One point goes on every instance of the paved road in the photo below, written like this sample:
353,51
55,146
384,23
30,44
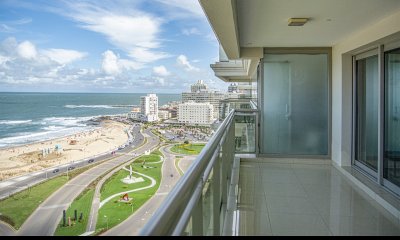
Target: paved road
132,225
20,183
44,221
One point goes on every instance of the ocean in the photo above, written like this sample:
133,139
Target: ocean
32,117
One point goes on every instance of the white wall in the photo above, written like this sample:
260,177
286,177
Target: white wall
383,31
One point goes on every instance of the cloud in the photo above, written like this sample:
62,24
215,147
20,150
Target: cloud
161,71
6,29
184,8
145,55
7,26
184,62
23,64
191,31
64,56
124,26
27,50
113,65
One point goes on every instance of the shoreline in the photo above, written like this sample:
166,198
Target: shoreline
99,119
22,159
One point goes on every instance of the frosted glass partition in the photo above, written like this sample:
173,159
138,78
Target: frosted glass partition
295,104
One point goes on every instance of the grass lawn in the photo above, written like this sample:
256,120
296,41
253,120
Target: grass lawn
114,184
188,149
17,208
31,198
83,205
116,211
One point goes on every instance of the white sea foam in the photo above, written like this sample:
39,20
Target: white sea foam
29,137
65,121
99,106
14,122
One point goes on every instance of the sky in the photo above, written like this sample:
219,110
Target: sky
119,46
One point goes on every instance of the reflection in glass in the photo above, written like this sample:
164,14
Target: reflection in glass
245,133
391,163
367,83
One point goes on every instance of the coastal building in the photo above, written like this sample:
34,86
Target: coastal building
233,87
201,94
193,113
163,114
149,107
199,86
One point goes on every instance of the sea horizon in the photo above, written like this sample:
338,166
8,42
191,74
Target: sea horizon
28,117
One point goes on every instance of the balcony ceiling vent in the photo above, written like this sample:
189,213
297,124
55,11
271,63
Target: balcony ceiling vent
297,21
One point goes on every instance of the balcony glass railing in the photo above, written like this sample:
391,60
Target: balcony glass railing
197,204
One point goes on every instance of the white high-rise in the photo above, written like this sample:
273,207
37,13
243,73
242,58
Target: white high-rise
149,107
195,113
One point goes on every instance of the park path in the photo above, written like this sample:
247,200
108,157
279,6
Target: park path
96,204
132,225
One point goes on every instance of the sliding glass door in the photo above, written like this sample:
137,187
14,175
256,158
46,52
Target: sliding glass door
295,104
366,104
391,160
376,118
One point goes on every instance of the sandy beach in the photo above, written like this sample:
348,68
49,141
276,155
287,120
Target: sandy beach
20,160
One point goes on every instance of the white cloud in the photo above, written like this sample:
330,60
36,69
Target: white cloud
113,65
191,31
129,29
64,56
110,63
184,8
184,62
161,71
145,55
27,50
6,29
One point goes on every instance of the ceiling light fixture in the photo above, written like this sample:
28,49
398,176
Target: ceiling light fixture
297,21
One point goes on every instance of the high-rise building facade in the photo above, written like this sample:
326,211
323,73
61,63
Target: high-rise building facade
149,107
195,113
199,86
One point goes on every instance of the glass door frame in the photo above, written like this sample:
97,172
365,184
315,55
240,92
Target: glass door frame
386,48
260,86
378,176
369,53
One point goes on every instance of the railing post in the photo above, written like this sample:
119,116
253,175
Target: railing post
217,198
197,216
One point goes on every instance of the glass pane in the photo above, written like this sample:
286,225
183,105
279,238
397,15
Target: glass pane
295,104
367,92
245,133
189,229
208,207
391,163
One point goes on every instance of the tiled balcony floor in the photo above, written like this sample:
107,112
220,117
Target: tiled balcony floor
306,199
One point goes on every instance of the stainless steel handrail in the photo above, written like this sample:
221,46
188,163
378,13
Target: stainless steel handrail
167,216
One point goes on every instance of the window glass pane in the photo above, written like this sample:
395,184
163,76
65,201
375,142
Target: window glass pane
367,100
391,163
295,104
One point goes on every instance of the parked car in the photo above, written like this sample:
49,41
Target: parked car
71,167
56,170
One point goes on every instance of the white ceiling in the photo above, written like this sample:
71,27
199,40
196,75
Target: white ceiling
264,23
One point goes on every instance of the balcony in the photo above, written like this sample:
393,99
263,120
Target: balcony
230,191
